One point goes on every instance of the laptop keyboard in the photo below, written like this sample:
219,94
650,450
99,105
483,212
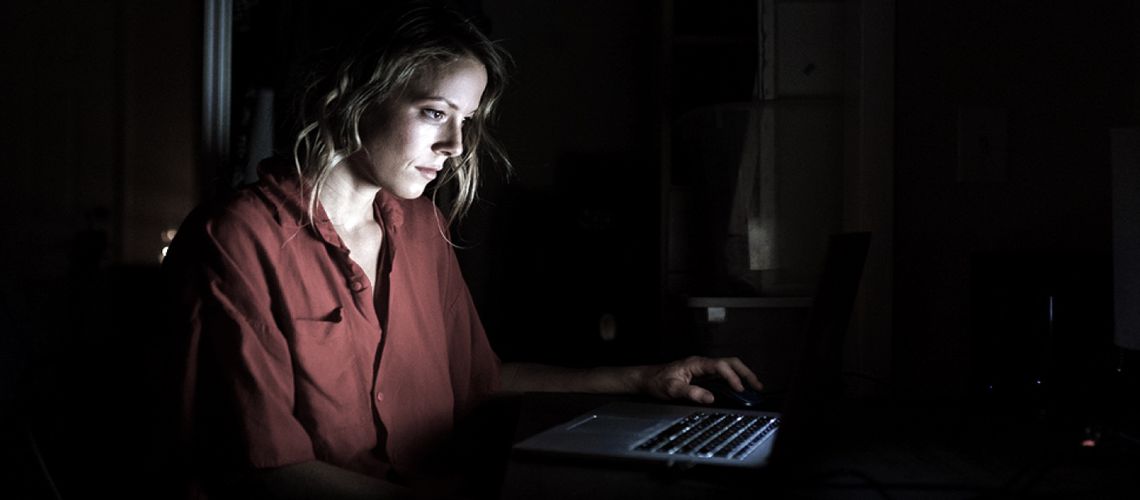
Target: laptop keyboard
712,434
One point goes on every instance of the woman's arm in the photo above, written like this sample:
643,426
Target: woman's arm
667,381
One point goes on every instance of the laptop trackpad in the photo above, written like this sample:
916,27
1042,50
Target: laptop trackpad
615,425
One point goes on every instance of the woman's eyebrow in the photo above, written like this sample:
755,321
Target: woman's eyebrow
445,100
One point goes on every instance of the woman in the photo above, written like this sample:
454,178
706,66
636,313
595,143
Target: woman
331,342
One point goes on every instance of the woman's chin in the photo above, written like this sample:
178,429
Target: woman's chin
408,192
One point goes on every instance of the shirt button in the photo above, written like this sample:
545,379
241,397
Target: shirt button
357,285
380,396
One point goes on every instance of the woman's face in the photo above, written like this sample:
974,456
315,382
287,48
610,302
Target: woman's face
407,140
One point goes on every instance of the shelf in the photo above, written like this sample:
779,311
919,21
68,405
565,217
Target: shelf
749,302
714,40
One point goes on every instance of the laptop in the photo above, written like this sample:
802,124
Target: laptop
697,435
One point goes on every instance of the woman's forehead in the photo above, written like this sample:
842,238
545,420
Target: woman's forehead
460,83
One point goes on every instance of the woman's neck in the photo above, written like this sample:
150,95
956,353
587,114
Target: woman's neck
347,199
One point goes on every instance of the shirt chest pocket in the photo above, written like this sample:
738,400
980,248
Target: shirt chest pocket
320,328
332,373
325,354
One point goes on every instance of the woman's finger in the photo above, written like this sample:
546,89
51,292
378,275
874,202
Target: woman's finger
745,373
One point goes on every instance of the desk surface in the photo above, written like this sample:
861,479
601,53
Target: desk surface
877,452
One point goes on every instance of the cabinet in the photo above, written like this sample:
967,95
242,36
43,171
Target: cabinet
753,133
752,144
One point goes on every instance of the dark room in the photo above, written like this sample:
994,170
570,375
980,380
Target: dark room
545,249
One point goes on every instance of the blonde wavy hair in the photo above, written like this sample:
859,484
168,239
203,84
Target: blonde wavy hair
377,70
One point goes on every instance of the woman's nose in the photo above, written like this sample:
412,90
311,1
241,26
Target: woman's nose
450,142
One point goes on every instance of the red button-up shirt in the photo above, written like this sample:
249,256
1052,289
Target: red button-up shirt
292,356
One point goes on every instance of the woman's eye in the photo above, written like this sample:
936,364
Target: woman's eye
434,114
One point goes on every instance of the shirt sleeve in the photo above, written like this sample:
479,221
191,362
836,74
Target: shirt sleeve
239,380
474,365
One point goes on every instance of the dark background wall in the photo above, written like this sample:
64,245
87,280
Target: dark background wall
580,214
100,135
1063,75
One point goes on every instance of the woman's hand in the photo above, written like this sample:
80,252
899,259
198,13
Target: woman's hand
675,380
668,381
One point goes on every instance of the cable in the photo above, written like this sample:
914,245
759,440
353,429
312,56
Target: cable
869,378
873,483
760,72
43,465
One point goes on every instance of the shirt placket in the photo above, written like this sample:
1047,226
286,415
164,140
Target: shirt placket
358,285
380,298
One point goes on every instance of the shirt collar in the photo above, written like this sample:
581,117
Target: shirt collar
289,198
391,210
